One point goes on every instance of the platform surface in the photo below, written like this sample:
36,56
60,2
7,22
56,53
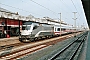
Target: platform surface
88,47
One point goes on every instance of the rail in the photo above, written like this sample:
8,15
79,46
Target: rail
76,44
71,50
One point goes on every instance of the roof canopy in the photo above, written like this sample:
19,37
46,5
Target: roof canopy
86,6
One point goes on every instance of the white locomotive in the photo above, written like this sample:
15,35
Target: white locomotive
32,31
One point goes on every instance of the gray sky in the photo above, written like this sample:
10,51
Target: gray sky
50,8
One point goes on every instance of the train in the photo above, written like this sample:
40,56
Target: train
32,31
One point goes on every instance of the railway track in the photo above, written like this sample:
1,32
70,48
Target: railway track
25,50
71,51
19,54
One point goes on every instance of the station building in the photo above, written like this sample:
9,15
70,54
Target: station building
8,26
11,23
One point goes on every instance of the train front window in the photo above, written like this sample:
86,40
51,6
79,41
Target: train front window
26,27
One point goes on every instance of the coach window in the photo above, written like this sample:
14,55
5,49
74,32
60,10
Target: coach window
35,27
58,29
63,29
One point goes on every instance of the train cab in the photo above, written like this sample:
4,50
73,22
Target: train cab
33,30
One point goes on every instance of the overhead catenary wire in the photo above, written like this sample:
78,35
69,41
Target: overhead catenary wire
57,5
29,11
69,9
44,7
19,9
39,5
67,13
79,6
60,8
76,9
79,16
63,2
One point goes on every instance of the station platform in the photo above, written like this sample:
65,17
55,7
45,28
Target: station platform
5,39
88,47
8,41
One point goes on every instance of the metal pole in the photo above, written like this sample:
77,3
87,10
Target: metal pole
19,24
75,21
75,18
60,24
